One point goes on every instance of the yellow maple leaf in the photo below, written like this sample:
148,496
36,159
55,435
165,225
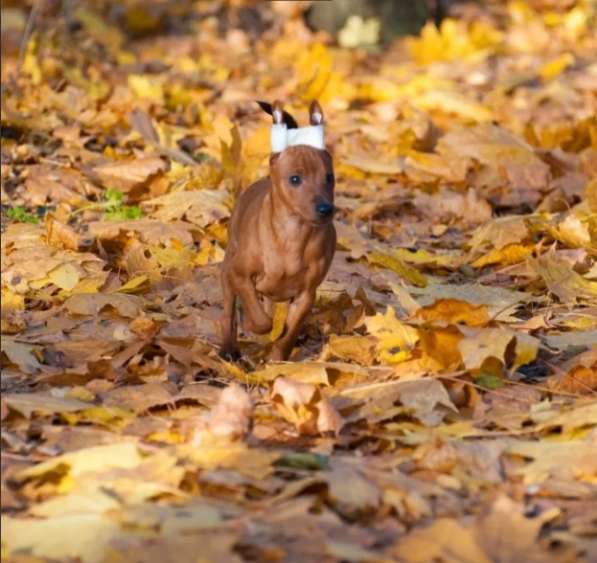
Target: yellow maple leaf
509,254
396,340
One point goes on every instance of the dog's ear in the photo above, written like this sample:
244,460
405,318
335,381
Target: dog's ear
315,113
286,117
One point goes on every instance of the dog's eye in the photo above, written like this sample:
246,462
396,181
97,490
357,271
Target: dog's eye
329,178
295,180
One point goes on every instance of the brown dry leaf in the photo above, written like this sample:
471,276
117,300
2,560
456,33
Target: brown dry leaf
125,175
427,399
20,354
61,235
46,183
371,164
447,205
507,346
569,460
93,303
444,540
230,418
54,537
199,207
42,403
580,375
303,372
562,280
498,149
139,398
359,349
351,492
500,232
506,534
119,455
148,230
419,164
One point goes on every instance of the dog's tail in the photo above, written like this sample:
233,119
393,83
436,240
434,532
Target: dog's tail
286,117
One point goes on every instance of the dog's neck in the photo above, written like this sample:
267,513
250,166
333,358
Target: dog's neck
290,230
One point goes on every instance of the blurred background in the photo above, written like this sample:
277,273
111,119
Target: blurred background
392,76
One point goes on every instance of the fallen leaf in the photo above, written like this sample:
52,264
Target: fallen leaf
54,537
452,311
506,533
42,403
497,148
562,280
199,207
425,398
303,372
20,354
92,304
351,493
578,376
573,459
444,540
507,346
74,465
395,339
230,418
509,254
302,405
125,175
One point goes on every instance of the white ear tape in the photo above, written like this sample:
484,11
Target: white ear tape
282,137
279,137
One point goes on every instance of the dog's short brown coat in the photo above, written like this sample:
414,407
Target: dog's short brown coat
280,246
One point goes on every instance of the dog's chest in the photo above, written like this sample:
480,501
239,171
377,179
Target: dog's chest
284,276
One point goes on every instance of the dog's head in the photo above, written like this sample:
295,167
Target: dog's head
301,168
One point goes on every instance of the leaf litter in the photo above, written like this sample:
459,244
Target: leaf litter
441,402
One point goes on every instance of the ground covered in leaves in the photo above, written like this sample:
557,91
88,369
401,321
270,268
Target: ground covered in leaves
440,405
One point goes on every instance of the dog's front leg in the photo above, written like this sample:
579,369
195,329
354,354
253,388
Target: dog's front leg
297,311
255,318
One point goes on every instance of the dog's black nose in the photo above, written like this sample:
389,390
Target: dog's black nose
324,209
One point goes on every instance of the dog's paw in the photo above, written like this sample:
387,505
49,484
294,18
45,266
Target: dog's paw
230,354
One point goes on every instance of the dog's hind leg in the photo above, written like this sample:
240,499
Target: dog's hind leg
228,322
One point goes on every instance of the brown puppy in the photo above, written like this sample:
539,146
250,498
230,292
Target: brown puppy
281,236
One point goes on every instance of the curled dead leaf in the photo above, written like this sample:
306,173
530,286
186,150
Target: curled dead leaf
302,405
231,416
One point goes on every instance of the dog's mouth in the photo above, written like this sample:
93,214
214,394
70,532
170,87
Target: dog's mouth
323,220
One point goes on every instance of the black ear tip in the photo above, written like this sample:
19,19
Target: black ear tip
286,117
267,108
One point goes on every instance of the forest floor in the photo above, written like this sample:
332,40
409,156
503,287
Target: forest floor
441,403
